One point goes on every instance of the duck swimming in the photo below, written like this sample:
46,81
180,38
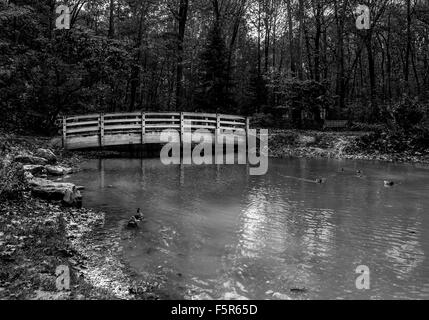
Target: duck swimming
139,215
135,219
320,180
133,222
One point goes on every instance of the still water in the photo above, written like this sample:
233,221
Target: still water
214,231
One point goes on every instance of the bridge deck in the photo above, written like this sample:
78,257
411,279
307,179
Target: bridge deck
113,129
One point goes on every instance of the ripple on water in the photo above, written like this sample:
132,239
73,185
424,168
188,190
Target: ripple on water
232,235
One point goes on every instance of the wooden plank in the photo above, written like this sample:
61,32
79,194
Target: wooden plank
122,120
193,114
225,116
89,116
149,114
83,142
233,123
162,120
335,123
233,129
122,127
160,126
83,130
155,137
83,123
201,120
122,139
116,115
201,126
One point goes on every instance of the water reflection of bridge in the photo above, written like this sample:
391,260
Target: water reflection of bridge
115,129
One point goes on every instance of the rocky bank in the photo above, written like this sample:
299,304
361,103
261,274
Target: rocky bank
38,234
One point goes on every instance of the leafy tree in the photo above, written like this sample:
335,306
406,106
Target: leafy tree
213,92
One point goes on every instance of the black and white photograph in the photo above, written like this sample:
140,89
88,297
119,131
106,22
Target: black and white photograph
184,151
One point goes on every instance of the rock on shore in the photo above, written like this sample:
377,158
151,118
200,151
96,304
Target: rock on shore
48,190
30,159
34,169
58,170
46,154
35,166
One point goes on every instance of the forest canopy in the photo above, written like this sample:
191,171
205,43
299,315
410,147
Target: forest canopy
250,57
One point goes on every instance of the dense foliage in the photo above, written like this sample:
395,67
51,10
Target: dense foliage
283,61
407,130
12,182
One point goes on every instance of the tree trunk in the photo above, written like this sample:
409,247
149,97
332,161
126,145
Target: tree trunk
259,39
267,40
389,60
135,70
300,39
111,19
290,36
274,44
317,43
408,49
372,77
340,83
51,17
182,17
235,29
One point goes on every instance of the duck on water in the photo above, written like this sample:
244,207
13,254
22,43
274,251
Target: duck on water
135,219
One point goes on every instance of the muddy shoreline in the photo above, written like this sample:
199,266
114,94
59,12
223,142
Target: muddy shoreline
335,145
37,236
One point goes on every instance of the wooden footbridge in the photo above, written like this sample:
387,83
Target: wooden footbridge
115,129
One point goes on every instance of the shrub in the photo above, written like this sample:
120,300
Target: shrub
12,182
407,129
288,138
408,114
367,127
309,96
262,120
394,141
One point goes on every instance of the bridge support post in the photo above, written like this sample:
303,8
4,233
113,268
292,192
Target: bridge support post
217,131
64,132
143,126
101,124
182,127
247,133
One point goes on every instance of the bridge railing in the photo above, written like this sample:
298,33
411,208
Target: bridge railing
112,128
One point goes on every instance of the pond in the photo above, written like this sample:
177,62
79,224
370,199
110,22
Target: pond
215,231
